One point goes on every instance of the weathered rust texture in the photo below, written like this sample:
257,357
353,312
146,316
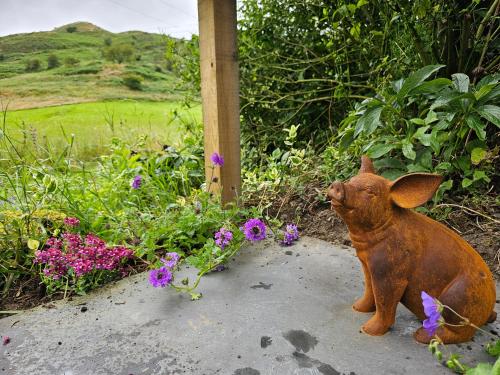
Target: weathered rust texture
404,253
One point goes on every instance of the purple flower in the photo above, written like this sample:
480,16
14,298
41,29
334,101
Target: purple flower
217,159
291,234
5,340
219,268
71,221
160,277
223,237
254,229
170,260
136,182
432,309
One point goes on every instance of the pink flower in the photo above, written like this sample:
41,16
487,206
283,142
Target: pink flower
83,257
5,340
71,221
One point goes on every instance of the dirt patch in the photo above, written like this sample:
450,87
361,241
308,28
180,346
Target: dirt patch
30,292
476,222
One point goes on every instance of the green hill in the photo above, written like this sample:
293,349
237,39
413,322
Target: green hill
84,70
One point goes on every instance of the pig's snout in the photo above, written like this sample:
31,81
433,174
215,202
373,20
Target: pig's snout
336,192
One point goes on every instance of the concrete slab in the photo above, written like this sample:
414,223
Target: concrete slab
274,311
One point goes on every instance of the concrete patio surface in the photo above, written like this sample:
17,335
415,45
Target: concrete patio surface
275,310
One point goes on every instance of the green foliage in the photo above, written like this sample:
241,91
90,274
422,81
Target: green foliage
71,29
101,196
118,53
108,41
133,81
33,65
420,125
52,62
310,67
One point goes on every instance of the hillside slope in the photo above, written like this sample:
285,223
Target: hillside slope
82,73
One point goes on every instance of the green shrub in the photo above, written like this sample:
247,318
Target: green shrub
133,81
33,65
416,125
71,29
108,41
53,62
118,53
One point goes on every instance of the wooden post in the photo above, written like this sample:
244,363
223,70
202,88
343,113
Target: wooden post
220,94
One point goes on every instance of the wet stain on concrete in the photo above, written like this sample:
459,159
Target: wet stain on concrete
265,341
302,340
246,371
304,361
262,285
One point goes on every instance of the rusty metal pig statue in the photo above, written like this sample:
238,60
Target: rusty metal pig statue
404,253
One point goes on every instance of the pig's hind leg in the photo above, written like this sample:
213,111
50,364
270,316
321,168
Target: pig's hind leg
462,298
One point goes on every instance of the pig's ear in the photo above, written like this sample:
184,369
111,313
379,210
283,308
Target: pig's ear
366,165
414,189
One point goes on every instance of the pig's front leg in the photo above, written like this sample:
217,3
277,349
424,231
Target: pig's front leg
367,302
387,290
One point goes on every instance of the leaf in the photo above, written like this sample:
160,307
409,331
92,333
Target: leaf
491,113
466,182
480,175
445,186
380,150
481,369
493,349
33,244
477,155
431,87
388,163
443,166
421,136
415,79
195,296
461,82
474,122
369,121
408,150
346,140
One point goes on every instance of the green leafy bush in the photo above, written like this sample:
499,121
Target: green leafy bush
118,53
71,29
33,65
52,62
133,81
420,125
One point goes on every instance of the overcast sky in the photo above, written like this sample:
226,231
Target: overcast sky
174,17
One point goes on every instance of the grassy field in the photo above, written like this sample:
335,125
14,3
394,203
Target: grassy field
94,124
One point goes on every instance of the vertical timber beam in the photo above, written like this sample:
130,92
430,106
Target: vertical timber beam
220,94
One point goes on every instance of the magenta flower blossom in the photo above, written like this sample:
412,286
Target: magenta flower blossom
432,309
217,159
223,237
170,260
291,234
5,340
254,229
160,277
82,256
71,221
136,182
